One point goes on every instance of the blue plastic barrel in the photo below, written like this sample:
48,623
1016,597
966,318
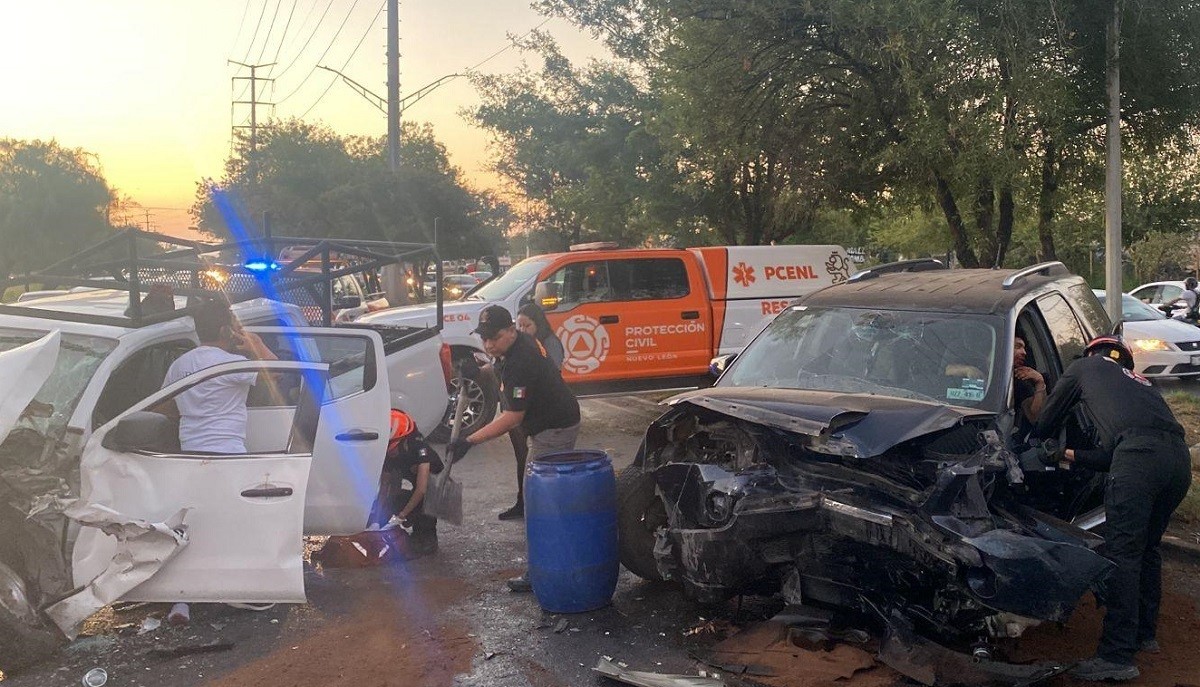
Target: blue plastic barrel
571,524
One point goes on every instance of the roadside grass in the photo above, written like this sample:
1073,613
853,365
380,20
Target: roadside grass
1187,411
10,294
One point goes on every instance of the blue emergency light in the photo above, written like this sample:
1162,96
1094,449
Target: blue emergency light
261,265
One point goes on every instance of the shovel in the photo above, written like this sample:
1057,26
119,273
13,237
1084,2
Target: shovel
443,497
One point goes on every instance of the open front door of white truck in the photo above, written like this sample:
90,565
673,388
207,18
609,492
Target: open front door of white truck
355,421
242,515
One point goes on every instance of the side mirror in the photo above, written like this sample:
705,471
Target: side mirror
546,295
717,367
347,302
143,431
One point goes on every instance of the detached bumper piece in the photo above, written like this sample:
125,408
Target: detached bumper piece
930,663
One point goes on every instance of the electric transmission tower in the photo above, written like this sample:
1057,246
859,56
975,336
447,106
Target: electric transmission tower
254,102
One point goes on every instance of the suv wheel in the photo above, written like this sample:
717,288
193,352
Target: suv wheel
640,512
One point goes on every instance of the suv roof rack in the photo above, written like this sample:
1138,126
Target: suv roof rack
916,265
1046,269
134,261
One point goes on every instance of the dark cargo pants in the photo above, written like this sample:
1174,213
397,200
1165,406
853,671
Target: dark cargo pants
1150,475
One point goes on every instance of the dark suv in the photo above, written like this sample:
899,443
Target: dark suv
862,454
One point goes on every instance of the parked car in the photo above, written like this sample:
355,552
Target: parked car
455,286
861,454
1158,293
1162,347
636,314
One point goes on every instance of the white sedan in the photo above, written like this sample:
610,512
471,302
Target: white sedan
1162,347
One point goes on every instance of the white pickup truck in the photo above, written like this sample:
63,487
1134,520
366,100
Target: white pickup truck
88,479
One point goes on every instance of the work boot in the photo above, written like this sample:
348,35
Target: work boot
520,584
1097,669
1150,646
517,512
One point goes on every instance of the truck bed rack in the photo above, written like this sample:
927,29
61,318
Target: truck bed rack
134,261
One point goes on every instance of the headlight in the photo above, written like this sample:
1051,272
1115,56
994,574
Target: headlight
1150,345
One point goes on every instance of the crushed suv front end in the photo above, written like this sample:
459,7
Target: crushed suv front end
908,512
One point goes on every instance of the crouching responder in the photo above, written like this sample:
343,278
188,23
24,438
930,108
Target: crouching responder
1142,448
535,397
409,459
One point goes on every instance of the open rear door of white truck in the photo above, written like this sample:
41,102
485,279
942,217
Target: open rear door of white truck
240,517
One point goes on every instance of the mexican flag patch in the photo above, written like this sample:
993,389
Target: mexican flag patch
518,392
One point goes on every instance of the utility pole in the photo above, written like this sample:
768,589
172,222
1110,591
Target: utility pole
1114,283
393,85
253,102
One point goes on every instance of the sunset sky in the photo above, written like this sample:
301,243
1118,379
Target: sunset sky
145,84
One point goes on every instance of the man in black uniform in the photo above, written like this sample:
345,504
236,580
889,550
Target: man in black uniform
1142,448
535,397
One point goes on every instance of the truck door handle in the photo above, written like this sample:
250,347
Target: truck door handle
267,492
691,314
609,319
357,435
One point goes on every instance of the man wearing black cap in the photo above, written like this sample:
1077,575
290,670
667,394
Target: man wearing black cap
535,397
1142,448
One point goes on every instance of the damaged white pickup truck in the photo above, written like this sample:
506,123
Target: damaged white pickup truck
98,503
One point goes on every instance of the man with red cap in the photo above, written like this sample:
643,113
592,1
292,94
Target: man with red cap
1141,446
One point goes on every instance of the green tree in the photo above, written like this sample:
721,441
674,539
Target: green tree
316,183
52,201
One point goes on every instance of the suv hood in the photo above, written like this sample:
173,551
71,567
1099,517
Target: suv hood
23,371
865,425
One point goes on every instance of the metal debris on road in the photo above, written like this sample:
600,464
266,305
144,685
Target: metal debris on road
189,650
611,670
150,624
96,677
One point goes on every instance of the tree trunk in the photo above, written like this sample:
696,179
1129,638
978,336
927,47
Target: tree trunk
1046,199
985,215
1004,226
958,230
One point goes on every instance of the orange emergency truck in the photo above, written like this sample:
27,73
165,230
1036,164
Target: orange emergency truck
626,314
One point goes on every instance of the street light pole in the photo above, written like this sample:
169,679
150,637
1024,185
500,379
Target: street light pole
393,57
1112,172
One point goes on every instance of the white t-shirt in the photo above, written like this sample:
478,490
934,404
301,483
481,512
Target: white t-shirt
1188,297
212,414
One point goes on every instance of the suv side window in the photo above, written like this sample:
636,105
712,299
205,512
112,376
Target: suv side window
1068,335
582,282
139,376
1090,310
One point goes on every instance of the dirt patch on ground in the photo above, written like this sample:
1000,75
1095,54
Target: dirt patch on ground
1186,408
1178,627
406,638
771,656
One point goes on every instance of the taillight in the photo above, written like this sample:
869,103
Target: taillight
447,364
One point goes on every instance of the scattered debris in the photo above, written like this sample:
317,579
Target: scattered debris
96,677
489,655
189,650
181,614
779,655
560,626
606,667
150,624
720,628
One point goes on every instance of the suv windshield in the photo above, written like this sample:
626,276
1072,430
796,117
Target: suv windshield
48,413
938,357
503,286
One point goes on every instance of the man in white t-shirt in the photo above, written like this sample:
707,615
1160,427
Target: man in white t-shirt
212,414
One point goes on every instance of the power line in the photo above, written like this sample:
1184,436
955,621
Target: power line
350,57
309,39
270,30
286,26
510,46
322,57
241,25
254,38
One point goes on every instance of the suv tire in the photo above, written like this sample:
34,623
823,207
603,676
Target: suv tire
640,512
25,640
484,395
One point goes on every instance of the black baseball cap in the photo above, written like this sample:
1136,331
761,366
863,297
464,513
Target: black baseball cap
493,320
